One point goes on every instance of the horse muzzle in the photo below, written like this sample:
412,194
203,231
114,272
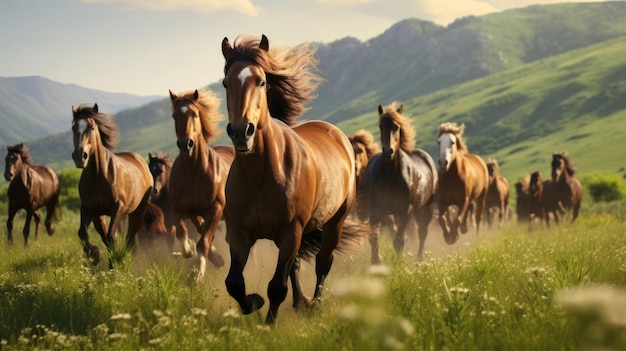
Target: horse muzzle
8,176
242,135
80,158
185,147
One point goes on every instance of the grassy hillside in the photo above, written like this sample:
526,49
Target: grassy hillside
574,102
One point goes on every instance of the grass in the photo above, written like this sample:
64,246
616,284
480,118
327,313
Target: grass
506,289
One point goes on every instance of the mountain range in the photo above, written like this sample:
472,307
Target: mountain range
525,82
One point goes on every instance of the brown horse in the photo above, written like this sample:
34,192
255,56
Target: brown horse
568,189
401,181
498,193
364,149
292,184
31,188
111,184
463,179
543,203
522,200
198,175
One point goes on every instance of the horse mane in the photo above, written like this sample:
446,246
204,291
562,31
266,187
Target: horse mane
407,132
291,75
457,130
207,105
569,165
536,184
161,157
21,150
109,132
367,139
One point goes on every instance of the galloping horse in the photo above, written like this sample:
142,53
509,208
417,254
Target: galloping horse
292,184
463,179
111,184
31,188
498,193
522,200
364,149
568,189
198,175
544,200
401,181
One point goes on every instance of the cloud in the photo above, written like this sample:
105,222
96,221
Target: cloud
202,6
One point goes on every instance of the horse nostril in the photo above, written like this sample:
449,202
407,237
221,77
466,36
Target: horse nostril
189,144
229,131
249,130
84,155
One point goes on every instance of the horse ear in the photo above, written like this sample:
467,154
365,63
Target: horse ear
172,96
150,155
227,49
74,109
95,108
20,146
400,109
195,95
380,109
265,43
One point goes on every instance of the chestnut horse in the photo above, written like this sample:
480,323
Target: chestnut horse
522,200
292,184
463,181
401,181
498,193
31,188
198,175
111,184
364,149
543,200
568,189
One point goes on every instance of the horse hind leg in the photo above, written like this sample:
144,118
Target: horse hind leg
399,238
26,230
12,212
423,217
376,257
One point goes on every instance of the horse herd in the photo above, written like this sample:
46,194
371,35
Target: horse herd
304,185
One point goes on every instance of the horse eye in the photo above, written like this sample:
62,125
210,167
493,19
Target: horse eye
262,83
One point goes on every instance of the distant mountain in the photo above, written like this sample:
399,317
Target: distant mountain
35,107
416,59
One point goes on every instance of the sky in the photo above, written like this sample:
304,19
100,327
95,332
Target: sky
147,47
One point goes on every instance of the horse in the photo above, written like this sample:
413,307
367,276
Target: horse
364,148
32,187
522,200
292,183
198,174
568,189
463,179
498,193
111,184
401,181
543,200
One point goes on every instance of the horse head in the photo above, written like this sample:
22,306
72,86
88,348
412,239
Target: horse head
91,129
246,91
13,161
390,132
450,142
186,122
159,166
536,185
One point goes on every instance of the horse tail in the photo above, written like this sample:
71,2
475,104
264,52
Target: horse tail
353,234
53,206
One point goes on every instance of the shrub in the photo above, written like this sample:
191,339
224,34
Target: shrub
68,180
605,188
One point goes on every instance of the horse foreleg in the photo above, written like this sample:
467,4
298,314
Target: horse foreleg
37,217
423,216
235,283
12,212
26,230
188,245
462,217
376,258
92,251
287,251
205,246
399,238
135,221
445,227
299,299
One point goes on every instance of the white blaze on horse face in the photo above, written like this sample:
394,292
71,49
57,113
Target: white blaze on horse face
82,126
244,74
447,145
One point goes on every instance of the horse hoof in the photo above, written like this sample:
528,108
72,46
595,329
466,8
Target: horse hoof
216,259
255,302
378,259
50,229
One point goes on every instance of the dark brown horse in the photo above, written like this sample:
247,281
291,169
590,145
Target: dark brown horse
31,188
498,193
401,181
568,189
292,184
364,149
544,203
522,200
463,181
198,175
111,184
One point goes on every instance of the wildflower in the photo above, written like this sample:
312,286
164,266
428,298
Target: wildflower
117,336
232,313
120,316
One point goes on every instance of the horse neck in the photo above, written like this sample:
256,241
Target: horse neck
24,172
269,150
199,156
100,159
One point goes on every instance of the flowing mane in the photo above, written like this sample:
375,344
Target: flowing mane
291,75
407,132
569,165
207,105
367,139
457,130
109,132
21,150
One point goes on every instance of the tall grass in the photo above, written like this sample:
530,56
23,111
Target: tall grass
508,289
